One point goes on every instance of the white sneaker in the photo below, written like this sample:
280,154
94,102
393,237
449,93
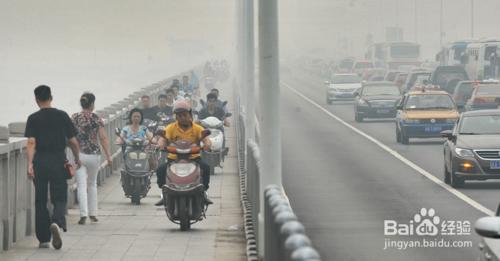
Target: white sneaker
44,245
56,236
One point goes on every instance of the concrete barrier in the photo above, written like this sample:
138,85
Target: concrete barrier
16,129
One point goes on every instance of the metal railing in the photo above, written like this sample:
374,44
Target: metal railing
17,196
284,236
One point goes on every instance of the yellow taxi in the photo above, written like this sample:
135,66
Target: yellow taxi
424,112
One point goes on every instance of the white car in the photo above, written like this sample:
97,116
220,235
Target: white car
342,87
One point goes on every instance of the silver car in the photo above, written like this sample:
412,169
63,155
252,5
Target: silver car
342,87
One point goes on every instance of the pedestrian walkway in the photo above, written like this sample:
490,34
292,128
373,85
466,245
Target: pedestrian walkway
143,232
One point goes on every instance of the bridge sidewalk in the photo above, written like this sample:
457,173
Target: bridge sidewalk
130,232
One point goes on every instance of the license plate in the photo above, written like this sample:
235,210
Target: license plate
495,164
433,129
383,111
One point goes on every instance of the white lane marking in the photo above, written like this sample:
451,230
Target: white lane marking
414,166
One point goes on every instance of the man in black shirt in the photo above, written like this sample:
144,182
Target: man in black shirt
163,108
49,130
213,110
148,112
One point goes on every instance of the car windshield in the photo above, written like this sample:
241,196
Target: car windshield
348,78
429,102
493,90
410,51
346,64
363,65
380,90
444,77
402,77
484,124
419,79
391,76
464,88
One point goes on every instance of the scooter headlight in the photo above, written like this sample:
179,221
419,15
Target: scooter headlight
182,169
142,155
132,155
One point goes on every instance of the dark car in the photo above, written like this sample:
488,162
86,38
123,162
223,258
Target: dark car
418,76
376,100
400,79
472,148
390,76
447,77
462,93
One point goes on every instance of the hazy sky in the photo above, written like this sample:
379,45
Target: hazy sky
114,47
322,23
110,47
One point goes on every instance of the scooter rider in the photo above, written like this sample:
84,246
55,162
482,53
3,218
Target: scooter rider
147,111
218,102
213,110
183,129
163,107
186,86
134,129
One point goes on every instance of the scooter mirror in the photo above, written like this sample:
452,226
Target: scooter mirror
205,133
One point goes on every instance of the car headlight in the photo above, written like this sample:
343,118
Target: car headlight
464,152
412,121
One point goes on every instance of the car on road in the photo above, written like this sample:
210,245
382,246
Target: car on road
447,77
423,113
376,100
342,87
400,79
484,96
391,75
416,77
359,67
462,93
472,148
375,74
345,65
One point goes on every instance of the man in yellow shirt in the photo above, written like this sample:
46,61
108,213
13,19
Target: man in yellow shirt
183,129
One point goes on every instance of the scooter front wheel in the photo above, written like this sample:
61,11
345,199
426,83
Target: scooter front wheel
184,214
135,199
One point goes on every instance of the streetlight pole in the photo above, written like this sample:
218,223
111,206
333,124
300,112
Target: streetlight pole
415,14
441,24
269,119
249,70
472,18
